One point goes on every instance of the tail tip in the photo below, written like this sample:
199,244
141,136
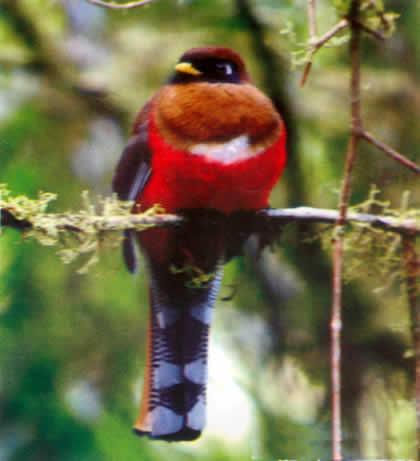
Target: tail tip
186,434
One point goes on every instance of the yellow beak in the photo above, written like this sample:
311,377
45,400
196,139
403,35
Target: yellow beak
187,68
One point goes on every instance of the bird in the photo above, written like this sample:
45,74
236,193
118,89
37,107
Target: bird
209,146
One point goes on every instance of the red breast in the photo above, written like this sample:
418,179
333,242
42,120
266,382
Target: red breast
184,180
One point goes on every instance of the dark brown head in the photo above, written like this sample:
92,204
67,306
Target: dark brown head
210,64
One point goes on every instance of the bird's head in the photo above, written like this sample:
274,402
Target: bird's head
211,65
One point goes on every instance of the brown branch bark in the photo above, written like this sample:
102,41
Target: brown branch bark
389,151
372,32
329,35
312,19
312,32
338,240
411,260
317,45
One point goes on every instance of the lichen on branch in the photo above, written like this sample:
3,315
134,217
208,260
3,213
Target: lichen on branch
84,233
99,225
372,251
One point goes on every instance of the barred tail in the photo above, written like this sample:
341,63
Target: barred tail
173,406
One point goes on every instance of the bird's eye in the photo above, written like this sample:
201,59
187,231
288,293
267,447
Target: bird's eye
225,67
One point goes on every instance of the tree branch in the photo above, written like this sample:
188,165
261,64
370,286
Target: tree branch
389,151
76,222
319,215
312,20
338,240
316,45
52,222
411,260
370,31
120,6
7,219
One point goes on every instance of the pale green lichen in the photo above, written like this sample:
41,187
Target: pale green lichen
197,278
370,251
21,206
82,234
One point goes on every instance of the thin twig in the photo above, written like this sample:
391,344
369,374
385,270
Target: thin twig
306,73
370,31
120,6
329,35
317,45
389,151
312,19
411,260
338,240
312,31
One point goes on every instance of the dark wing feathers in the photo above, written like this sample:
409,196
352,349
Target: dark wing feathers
133,169
132,173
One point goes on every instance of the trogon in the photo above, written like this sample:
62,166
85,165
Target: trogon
209,146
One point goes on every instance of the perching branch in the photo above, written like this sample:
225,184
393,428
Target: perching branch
82,222
319,215
76,222
120,6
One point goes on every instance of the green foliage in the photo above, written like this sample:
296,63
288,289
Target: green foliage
374,16
342,6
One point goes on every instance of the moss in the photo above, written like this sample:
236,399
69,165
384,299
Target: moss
81,235
370,251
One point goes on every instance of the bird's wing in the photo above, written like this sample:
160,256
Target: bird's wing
131,176
133,169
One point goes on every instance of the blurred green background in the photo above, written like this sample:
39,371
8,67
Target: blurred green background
72,76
